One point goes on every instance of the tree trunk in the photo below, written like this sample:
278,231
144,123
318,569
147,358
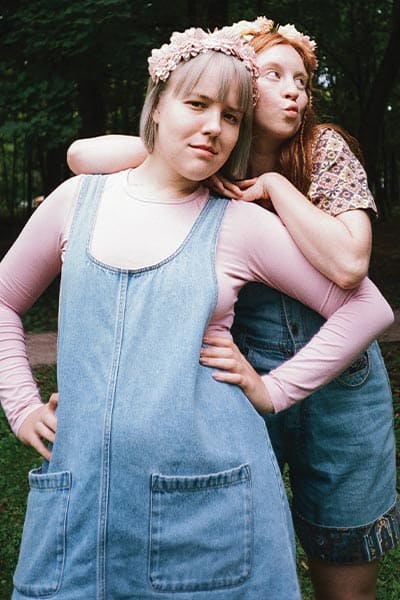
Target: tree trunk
55,168
370,134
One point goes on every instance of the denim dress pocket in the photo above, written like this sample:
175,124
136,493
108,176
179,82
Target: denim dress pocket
201,531
42,555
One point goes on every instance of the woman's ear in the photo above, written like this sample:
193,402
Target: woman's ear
156,115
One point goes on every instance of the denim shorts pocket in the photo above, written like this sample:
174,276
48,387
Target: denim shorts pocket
201,531
42,555
357,373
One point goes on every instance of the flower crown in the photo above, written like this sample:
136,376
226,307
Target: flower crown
248,29
195,41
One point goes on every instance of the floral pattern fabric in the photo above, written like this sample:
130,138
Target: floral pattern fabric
339,181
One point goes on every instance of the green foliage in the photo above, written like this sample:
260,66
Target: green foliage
78,68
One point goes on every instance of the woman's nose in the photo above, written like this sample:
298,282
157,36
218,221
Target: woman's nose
212,122
290,90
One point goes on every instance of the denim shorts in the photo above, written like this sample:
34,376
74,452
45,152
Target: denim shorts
338,444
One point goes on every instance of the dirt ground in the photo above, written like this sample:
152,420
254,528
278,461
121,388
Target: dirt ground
42,348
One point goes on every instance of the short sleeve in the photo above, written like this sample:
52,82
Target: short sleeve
339,181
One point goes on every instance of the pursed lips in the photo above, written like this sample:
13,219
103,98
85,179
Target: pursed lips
292,108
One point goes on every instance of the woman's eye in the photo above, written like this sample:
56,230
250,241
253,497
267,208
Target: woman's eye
272,74
301,83
232,118
196,104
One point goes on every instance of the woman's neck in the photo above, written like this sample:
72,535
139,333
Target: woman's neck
156,181
262,162
263,155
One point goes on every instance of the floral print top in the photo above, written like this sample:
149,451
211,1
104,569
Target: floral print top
338,182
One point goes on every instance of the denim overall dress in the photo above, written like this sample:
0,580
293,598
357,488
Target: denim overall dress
339,442
162,481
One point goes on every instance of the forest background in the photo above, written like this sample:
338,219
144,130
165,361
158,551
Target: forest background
72,69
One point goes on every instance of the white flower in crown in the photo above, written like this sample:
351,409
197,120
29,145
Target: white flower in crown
290,32
248,29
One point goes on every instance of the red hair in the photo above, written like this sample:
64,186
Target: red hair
295,157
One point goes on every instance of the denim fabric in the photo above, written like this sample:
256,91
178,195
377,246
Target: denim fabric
339,443
162,481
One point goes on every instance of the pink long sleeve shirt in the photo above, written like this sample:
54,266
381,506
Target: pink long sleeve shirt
132,231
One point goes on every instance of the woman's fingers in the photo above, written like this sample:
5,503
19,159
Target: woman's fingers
38,445
44,431
30,433
228,377
222,353
53,401
244,184
219,184
49,413
218,341
40,427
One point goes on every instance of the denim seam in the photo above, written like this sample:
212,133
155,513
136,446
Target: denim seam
105,472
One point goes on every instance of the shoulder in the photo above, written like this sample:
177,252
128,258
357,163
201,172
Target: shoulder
238,209
252,225
338,181
332,152
328,142
66,190
62,197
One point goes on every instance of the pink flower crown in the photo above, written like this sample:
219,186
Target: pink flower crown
248,29
195,41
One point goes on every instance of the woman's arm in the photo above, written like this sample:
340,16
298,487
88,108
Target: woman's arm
331,225
349,330
105,154
28,268
339,247
264,251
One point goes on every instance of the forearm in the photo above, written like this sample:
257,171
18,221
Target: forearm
349,330
329,352
339,247
105,154
18,391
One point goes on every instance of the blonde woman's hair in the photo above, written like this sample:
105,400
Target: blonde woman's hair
230,72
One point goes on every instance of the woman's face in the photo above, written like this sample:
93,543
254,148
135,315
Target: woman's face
196,132
282,93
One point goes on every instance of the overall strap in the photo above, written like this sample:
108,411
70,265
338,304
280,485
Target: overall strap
83,221
209,222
